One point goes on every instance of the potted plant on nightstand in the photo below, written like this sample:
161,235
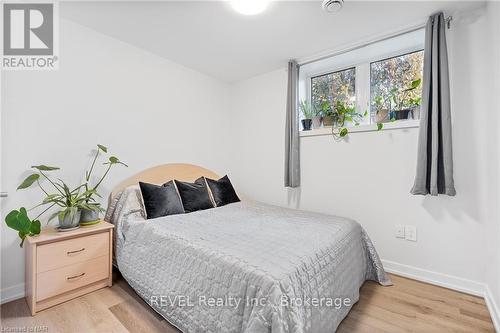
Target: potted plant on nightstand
69,202
90,215
307,113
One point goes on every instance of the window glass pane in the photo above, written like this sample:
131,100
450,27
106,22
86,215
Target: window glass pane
396,88
334,87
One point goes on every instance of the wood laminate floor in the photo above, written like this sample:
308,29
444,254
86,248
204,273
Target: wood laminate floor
408,306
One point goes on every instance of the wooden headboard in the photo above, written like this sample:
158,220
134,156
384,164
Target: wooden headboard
163,173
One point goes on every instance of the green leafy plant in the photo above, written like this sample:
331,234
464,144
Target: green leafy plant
342,113
348,113
326,109
92,190
19,221
68,201
403,98
397,100
413,102
306,109
380,104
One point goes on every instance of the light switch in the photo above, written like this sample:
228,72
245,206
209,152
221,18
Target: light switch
400,231
411,233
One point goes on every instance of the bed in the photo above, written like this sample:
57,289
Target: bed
244,267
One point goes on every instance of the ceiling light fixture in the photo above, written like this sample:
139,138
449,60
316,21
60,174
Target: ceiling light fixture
249,7
333,6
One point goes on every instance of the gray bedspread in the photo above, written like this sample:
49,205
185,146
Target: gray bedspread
245,267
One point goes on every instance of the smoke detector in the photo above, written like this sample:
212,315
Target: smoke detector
333,6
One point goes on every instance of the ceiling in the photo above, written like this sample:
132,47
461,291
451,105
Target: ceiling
210,37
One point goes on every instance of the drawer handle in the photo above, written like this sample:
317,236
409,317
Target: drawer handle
76,251
75,277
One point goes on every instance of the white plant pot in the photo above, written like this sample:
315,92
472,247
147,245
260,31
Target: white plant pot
316,122
71,219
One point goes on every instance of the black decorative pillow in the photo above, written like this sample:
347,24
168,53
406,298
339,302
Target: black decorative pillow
222,191
194,196
160,200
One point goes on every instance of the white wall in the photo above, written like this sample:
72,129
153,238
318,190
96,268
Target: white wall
493,154
146,109
150,111
369,176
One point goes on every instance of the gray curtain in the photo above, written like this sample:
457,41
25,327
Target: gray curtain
292,160
435,161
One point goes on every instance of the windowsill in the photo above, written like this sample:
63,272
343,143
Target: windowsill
364,128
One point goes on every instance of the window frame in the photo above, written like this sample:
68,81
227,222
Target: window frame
310,78
370,78
362,90
332,72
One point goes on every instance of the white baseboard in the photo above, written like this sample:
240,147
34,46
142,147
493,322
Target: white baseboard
12,293
438,279
493,308
448,281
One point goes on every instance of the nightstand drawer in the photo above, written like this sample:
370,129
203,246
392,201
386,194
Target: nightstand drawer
64,279
71,251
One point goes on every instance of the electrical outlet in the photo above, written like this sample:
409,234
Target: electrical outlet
411,233
400,231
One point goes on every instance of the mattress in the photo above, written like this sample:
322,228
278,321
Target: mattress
245,267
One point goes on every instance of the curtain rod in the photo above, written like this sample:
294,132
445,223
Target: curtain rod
373,41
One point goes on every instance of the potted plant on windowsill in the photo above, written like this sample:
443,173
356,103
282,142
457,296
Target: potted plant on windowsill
415,107
344,113
317,117
381,110
403,101
327,113
307,113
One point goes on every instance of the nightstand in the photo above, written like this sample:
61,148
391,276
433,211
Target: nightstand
63,265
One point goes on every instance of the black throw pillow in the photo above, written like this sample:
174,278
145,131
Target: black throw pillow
160,200
194,196
222,191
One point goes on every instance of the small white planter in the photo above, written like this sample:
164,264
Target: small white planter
316,122
71,219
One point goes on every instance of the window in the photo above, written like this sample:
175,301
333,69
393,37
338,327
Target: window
334,87
378,83
395,88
